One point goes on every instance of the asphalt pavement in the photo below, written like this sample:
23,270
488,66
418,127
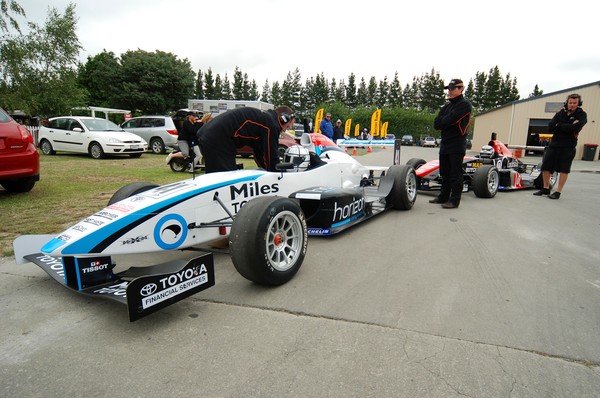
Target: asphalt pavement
498,298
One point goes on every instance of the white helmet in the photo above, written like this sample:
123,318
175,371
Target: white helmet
487,151
298,156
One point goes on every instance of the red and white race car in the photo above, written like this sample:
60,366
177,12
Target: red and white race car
494,169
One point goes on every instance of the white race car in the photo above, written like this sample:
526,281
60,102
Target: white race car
265,216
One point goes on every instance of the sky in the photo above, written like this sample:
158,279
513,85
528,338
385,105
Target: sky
553,44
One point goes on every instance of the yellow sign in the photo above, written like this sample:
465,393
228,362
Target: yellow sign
384,128
318,120
357,130
347,127
375,123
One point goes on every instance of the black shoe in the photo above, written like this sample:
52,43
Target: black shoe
449,205
554,195
435,200
543,191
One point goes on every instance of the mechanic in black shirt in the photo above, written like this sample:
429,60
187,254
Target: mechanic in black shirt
566,125
452,120
244,126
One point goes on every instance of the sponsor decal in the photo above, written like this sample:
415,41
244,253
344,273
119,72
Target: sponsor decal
173,285
52,265
107,215
64,237
348,211
319,231
131,241
119,290
95,266
93,222
170,231
125,208
240,194
79,228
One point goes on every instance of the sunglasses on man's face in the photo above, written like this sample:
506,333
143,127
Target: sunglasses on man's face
454,87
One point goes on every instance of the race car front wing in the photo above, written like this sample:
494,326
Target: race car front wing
143,289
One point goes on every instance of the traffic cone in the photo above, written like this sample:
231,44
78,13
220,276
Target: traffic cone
346,149
369,150
354,151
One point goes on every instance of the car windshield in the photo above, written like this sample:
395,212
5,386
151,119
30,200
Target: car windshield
100,125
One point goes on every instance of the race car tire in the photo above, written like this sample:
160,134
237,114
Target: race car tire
486,181
268,240
129,190
416,163
404,191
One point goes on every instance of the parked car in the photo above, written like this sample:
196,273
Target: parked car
159,131
19,158
285,140
181,114
94,136
407,140
428,141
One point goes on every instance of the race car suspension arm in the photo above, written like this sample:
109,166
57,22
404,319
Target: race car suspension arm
217,223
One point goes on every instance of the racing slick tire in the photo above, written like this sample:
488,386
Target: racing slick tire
129,190
486,181
404,191
416,163
268,240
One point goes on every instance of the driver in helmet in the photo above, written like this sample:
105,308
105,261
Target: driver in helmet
487,151
301,158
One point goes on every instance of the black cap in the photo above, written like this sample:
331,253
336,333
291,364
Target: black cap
453,83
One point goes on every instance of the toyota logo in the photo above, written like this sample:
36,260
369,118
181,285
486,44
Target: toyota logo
148,289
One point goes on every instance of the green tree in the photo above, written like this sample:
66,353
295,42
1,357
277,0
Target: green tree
199,86
225,88
38,75
536,92
209,85
237,89
154,82
395,92
351,100
266,92
6,8
362,95
431,92
100,75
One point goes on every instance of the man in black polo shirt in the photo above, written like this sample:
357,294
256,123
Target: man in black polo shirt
452,120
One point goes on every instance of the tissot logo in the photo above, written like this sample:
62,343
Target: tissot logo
149,289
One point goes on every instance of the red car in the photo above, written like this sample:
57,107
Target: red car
19,158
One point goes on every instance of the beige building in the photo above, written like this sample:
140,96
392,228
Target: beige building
525,122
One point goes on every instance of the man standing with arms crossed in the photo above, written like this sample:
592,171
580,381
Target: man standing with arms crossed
566,125
452,120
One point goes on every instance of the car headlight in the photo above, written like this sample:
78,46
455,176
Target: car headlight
114,141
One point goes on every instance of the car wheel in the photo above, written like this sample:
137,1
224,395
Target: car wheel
18,186
95,150
129,190
178,164
486,181
46,148
416,163
157,146
404,188
268,240
539,181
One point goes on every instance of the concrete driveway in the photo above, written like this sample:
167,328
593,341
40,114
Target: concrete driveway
498,298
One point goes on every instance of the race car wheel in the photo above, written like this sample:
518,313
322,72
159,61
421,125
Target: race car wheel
129,190
416,163
178,164
268,240
404,190
485,181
